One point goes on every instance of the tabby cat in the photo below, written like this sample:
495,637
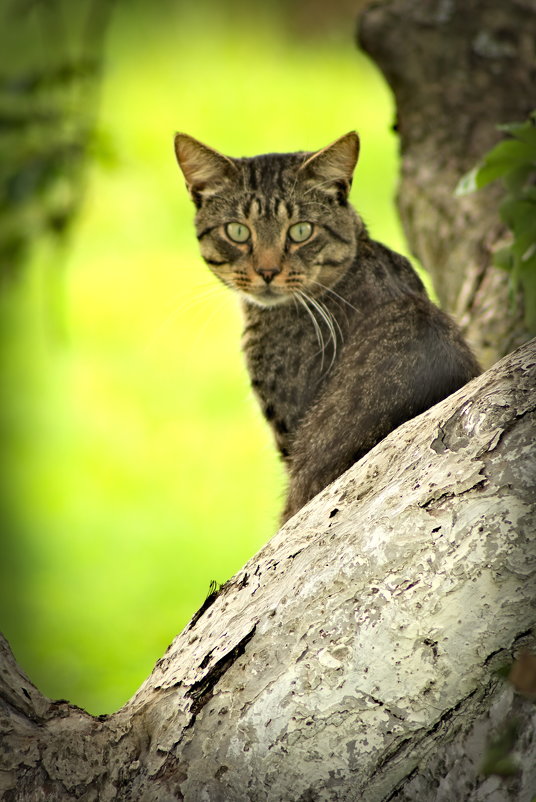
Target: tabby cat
341,342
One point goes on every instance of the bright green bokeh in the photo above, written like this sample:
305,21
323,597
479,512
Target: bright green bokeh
140,467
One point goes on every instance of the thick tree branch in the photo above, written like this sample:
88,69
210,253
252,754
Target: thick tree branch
355,656
478,61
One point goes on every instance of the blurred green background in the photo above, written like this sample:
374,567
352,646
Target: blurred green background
137,464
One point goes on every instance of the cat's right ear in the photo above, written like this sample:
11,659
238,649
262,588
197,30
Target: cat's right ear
333,166
204,169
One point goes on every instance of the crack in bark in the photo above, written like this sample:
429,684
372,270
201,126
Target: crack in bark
203,690
400,785
415,744
519,639
385,707
295,554
438,498
433,646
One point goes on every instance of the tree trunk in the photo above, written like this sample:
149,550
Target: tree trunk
457,68
355,657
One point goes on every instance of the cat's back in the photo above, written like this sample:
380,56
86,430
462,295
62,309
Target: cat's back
399,333
400,356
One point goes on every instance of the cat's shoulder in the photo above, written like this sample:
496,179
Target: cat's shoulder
398,266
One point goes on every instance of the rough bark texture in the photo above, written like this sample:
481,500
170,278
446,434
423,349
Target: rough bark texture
355,657
457,68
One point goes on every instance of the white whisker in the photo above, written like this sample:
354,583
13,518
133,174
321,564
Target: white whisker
302,298
336,294
330,322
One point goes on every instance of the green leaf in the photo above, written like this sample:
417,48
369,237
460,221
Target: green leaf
529,193
525,131
514,161
519,214
524,245
516,179
504,158
503,258
467,183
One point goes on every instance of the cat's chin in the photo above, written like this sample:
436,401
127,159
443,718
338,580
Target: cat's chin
267,298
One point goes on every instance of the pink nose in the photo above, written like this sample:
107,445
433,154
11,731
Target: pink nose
268,273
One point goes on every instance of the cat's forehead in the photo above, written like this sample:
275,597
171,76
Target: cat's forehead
270,171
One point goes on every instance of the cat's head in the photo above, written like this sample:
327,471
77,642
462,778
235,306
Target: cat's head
276,225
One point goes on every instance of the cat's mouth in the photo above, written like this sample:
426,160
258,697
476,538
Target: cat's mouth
268,296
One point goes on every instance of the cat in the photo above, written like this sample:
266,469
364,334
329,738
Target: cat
341,341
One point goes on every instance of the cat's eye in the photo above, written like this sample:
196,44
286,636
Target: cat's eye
299,232
238,232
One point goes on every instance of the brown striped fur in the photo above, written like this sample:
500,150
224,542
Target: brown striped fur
341,342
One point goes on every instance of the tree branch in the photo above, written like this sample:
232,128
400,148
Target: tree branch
479,63
354,655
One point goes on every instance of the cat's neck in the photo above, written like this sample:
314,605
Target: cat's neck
292,350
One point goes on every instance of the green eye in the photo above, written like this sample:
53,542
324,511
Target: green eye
299,232
238,232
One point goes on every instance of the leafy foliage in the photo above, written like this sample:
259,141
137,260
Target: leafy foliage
50,56
514,162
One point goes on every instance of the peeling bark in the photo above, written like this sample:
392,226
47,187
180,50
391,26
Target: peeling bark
457,68
355,657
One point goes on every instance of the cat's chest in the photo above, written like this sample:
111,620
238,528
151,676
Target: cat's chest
289,358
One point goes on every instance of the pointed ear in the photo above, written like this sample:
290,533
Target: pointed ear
205,170
334,165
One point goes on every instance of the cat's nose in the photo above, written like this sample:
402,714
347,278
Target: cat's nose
268,273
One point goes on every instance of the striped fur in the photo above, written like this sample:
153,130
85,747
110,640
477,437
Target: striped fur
341,342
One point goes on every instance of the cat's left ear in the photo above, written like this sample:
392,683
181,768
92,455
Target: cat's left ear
333,166
204,169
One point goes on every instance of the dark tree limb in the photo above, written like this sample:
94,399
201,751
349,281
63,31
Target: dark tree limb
457,68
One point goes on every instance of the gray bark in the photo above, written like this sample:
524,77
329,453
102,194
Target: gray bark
457,68
355,657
